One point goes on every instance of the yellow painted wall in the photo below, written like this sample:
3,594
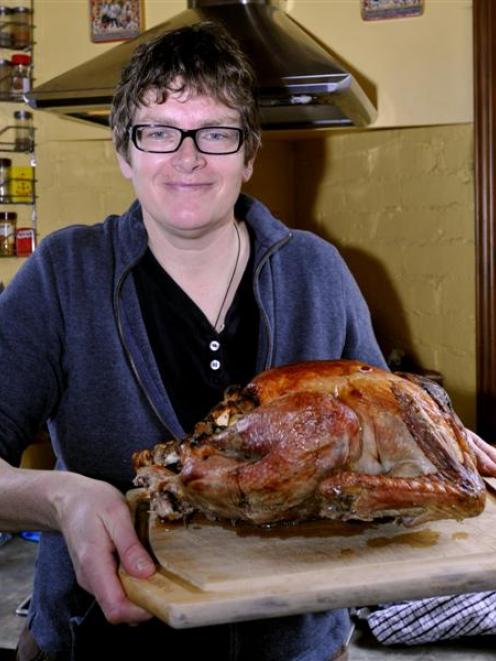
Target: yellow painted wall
421,67
398,203
361,189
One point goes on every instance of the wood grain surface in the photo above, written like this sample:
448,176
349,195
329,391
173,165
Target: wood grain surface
212,573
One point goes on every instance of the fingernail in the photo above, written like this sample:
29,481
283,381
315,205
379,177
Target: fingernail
144,565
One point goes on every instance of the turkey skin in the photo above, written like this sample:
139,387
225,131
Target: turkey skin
328,439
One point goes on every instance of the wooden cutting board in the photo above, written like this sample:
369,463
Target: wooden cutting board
213,573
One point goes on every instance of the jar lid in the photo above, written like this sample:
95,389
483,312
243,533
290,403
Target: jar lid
5,10
5,162
23,114
5,63
8,215
19,58
21,10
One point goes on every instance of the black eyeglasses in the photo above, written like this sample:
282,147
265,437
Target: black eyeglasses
159,139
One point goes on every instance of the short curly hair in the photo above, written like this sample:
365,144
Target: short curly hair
202,58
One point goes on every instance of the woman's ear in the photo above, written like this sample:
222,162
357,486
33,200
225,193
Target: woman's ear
125,166
248,170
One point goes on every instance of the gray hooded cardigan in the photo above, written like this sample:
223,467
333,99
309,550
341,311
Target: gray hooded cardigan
74,353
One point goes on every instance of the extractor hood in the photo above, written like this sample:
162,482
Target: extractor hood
300,84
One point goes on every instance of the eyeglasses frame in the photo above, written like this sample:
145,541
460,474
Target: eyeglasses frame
190,133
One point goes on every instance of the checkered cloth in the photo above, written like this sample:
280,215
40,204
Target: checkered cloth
437,618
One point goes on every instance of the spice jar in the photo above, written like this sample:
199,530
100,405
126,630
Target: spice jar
8,220
23,122
5,79
21,27
5,27
5,165
21,188
25,241
21,73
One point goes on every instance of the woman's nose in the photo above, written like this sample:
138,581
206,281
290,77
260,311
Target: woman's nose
188,156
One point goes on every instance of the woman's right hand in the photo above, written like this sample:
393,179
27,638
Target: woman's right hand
96,523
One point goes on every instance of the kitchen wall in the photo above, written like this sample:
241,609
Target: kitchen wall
397,200
399,205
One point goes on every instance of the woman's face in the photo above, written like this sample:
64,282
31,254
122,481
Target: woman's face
186,193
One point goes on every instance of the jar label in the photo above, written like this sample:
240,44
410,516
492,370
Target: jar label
25,241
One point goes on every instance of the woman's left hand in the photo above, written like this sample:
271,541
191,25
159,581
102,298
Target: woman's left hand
485,454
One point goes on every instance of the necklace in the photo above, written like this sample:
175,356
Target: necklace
220,327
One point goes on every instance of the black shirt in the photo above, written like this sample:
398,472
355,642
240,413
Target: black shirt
195,362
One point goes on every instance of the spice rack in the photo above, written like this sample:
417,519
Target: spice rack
17,183
17,137
16,44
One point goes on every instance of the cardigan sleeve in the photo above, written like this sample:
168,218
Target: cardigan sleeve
31,376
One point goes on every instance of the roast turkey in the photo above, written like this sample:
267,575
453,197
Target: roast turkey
327,439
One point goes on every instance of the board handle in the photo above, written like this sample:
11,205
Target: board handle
139,504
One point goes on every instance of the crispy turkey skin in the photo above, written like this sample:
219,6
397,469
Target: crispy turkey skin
328,439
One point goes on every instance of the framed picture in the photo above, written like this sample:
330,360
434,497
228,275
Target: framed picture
374,10
115,20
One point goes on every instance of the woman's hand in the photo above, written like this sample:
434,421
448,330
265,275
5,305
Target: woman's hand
96,523
484,453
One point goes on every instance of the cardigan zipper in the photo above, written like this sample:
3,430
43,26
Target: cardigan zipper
128,352
265,319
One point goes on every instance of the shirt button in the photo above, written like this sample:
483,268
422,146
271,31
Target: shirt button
215,364
214,345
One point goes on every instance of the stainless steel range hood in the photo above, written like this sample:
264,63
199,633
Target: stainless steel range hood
301,84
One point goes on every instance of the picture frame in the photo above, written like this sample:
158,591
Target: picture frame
115,20
375,10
